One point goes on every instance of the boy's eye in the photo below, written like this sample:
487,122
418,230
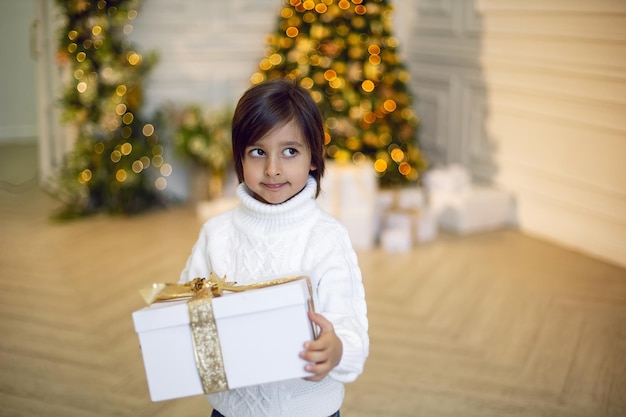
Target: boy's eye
256,152
290,152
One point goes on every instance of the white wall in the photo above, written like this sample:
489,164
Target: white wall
207,49
18,109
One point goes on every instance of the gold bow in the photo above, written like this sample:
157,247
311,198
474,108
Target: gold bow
170,291
215,285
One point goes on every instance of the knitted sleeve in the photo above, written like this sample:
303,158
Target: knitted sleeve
341,299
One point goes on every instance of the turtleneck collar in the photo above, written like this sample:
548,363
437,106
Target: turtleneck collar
255,214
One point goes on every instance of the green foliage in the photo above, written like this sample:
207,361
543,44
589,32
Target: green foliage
203,136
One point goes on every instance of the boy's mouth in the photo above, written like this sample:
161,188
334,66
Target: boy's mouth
274,186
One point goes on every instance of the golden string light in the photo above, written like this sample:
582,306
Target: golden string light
120,109
367,86
145,162
147,130
380,165
116,155
121,175
126,149
137,166
166,170
126,132
160,183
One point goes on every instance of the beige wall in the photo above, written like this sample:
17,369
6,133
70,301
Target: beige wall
529,95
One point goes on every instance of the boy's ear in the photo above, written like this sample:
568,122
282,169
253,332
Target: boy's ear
313,168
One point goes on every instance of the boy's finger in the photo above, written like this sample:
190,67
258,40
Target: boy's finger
313,356
319,371
321,321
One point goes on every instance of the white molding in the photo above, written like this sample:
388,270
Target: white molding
478,148
472,19
458,18
432,103
436,16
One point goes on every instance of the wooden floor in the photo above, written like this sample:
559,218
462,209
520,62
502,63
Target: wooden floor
498,324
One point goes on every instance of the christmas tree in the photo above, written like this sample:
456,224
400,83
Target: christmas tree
344,52
117,163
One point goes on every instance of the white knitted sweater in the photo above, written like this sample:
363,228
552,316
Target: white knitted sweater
258,242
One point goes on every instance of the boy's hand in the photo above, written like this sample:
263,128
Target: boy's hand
325,352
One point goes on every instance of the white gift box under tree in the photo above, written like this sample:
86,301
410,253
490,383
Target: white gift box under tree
349,192
463,207
405,219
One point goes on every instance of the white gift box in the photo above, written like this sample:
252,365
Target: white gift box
349,193
361,226
411,198
403,228
452,178
394,240
446,186
480,209
261,334
397,233
427,226
462,207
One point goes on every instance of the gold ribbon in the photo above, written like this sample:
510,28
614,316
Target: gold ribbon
208,351
201,291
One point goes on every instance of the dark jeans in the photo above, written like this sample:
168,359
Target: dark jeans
218,414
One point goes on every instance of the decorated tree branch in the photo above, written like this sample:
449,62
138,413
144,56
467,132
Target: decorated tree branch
345,53
117,163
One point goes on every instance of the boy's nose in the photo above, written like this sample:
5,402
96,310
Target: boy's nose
272,169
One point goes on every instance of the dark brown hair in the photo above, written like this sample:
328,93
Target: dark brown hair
272,104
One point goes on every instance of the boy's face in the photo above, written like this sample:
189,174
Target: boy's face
276,167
